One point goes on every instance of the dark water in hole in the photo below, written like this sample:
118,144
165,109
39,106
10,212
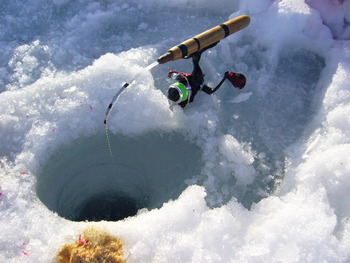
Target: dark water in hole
109,207
81,182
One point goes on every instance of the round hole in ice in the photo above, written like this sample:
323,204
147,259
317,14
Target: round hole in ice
81,182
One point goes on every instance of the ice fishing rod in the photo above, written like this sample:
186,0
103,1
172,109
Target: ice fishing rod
187,49
190,47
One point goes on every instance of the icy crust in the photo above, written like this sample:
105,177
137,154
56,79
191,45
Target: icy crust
327,156
52,109
336,15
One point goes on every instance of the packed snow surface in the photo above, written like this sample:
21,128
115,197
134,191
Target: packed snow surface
260,174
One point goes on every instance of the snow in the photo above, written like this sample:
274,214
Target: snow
253,175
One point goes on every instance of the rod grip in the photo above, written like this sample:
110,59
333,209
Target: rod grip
205,39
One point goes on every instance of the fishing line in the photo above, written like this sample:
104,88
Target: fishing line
109,143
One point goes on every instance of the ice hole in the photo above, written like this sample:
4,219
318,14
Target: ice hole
81,182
